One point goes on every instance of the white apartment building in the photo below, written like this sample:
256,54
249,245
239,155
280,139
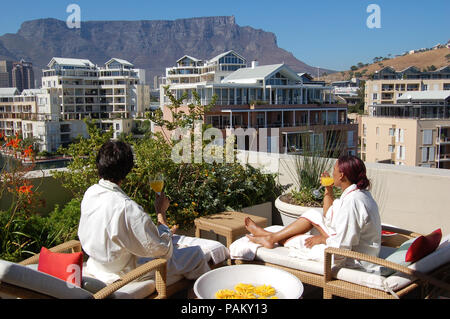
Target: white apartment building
266,96
72,90
388,84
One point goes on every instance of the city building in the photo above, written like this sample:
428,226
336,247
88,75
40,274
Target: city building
22,75
415,131
388,85
272,97
72,90
347,91
6,74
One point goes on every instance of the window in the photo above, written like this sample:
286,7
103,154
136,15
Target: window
374,96
427,137
378,130
399,135
364,129
428,154
391,149
377,146
350,142
401,150
391,132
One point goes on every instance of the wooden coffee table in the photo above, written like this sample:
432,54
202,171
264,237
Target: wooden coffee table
228,224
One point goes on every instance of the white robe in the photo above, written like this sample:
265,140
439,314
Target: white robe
116,232
352,222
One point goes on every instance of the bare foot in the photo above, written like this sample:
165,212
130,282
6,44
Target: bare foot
262,240
254,229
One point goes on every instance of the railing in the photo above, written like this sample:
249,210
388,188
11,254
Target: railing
442,140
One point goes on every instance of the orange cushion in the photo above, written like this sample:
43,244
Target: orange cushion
67,267
423,246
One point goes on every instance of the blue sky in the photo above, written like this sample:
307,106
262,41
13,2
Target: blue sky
329,33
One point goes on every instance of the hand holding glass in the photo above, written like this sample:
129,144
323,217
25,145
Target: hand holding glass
157,183
326,181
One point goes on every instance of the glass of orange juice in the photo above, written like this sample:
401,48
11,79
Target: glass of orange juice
326,181
157,183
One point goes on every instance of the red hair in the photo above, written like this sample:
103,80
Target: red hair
354,169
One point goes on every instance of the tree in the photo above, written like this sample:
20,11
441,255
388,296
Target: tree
353,68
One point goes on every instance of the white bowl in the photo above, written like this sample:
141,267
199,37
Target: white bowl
287,285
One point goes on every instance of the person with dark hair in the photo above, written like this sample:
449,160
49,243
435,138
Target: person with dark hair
118,235
350,222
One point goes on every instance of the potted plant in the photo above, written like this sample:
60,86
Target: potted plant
306,171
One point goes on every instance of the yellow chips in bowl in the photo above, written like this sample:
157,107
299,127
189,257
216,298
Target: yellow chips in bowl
247,291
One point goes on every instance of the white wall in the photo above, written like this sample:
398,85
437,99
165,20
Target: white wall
414,198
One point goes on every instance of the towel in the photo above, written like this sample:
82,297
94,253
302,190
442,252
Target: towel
244,249
297,248
296,244
212,249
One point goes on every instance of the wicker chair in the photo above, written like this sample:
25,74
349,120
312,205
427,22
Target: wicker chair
23,290
337,281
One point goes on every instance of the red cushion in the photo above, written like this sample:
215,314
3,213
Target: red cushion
67,267
423,245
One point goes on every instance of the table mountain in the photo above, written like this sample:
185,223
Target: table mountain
151,45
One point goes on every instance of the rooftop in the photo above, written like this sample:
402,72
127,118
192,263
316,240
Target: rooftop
261,72
71,62
8,92
424,95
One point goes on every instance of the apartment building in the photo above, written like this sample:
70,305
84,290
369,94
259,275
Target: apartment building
414,132
272,97
388,84
22,75
6,73
72,90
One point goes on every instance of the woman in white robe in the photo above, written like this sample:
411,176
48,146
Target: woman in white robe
118,234
351,222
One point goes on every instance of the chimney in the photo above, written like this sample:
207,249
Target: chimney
254,63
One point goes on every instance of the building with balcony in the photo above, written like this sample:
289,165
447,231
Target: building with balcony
272,97
388,85
72,90
347,91
413,132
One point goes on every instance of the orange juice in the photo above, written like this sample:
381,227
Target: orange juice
327,181
157,186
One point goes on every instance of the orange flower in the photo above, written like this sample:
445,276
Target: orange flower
14,143
25,189
28,152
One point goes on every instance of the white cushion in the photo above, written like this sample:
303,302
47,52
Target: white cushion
136,290
425,265
280,256
132,290
26,277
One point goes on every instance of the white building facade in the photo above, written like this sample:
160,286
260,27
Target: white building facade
72,90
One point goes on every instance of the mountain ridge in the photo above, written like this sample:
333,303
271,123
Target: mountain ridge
152,45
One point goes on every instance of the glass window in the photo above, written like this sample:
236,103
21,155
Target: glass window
427,137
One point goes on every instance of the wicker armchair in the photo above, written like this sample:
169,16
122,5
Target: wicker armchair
431,284
157,265
343,282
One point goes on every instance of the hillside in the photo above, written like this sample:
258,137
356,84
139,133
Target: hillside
421,60
152,45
